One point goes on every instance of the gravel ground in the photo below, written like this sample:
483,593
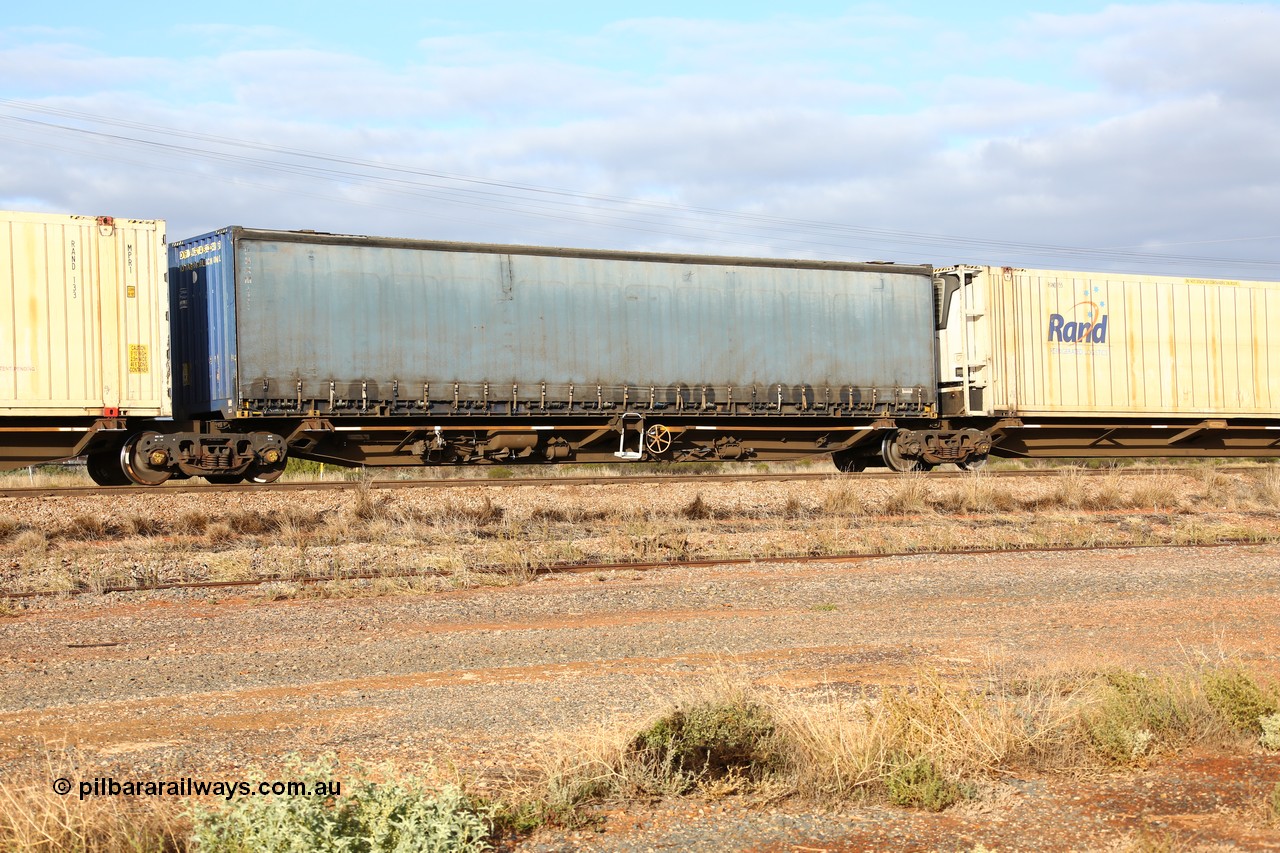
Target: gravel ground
475,681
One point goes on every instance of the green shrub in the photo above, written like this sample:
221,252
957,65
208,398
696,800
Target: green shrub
1239,699
1270,731
917,783
399,815
708,741
1137,714
303,467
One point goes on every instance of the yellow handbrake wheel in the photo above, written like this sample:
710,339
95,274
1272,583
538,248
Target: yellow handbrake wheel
657,439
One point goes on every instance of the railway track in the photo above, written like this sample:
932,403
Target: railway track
640,566
514,482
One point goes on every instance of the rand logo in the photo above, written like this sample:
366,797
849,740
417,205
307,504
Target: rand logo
1084,323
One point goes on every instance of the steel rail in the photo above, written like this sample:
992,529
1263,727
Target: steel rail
644,566
542,482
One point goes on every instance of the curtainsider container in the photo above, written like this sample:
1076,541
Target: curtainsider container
84,327
271,322
1051,343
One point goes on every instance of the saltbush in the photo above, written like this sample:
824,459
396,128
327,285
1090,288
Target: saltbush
1137,714
1239,699
1270,731
917,783
396,816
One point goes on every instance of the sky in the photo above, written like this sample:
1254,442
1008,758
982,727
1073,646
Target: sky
1131,136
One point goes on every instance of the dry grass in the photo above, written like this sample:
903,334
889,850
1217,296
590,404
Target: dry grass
1068,491
908,495
502,537
33,819
844,748
1157,492
1266,487
925,745
485,539
508,551
88,527
843,497
142,525
191,523
45,477
978,492
30,542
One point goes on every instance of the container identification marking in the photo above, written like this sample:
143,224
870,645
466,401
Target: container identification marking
197,251
199,256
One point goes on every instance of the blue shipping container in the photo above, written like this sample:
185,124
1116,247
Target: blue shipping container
264,318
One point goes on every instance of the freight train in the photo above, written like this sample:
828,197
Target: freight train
223,355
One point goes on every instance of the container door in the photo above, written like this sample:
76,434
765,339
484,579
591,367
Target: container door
127,264
141,300
51,339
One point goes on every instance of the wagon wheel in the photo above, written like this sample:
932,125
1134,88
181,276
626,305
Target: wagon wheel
657,439
104,468
262,473
268,465
894,459
848,462
141,467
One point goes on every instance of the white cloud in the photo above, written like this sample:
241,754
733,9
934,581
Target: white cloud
1132,125
60,68
1180,48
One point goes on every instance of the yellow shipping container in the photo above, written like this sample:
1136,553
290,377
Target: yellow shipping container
84,326
1043,342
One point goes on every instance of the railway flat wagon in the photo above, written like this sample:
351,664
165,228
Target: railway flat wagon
375,351
1112,364
84,331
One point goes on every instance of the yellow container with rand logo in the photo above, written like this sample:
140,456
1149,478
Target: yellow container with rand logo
86,330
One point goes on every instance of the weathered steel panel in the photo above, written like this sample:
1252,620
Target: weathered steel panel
1113,343
317,314
83,316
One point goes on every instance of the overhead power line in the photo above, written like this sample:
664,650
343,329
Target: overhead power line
558,204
